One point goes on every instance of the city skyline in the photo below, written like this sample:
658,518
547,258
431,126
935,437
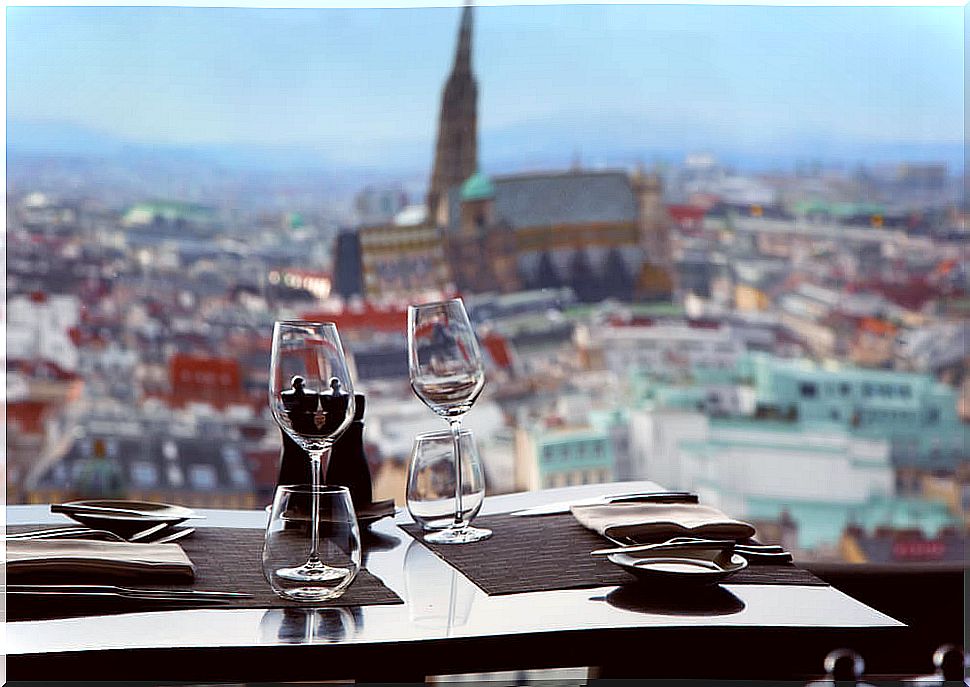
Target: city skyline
774,83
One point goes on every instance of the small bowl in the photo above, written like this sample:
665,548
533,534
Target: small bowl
693,566
126,525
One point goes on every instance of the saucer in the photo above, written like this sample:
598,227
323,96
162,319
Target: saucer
149,513
681,566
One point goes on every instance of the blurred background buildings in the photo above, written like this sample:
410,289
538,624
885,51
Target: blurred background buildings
792,345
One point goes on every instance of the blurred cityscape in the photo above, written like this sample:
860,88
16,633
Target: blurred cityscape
793,346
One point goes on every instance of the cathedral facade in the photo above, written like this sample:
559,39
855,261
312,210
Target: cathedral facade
605,234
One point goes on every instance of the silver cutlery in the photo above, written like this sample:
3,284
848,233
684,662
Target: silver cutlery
175,536
761,552
145,533
89,533
636,497
59,531
67,533
126,592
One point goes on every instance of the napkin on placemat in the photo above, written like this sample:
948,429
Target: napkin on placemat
103,560
659,521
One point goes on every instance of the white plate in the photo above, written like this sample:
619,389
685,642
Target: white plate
127,524
681,566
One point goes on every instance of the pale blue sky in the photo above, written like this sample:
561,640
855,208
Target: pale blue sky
361,79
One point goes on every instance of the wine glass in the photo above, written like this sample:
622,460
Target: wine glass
311,396
448,374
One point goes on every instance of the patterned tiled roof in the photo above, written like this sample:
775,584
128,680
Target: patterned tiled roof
531,200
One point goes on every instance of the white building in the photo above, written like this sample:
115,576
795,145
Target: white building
392,424
663,347
38,328
753,469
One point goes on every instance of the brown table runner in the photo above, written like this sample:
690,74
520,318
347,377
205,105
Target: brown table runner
549,552
226,559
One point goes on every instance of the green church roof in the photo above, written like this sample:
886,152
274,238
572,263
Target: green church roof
477,187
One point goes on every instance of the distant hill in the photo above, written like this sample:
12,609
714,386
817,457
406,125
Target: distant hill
609,141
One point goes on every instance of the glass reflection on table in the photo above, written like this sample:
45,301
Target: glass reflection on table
309,625
437,598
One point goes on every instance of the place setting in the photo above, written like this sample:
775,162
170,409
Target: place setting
126,556
663,538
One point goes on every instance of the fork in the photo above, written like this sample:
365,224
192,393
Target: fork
131,592
87,533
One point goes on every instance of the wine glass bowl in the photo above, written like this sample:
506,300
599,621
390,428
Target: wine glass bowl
448,374
444,360
311,397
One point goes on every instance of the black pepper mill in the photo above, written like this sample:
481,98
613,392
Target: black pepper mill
348,464
346,467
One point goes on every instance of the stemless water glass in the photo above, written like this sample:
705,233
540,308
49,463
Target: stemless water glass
432,480
448,374
311,396
288,542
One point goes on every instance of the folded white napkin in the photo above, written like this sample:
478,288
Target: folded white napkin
96,559
660,521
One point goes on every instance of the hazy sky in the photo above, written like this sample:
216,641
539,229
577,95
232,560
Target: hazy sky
373,77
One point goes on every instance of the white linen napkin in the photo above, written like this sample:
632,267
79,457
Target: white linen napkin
95,559
660,521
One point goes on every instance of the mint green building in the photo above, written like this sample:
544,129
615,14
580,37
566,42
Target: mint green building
914,412
560,457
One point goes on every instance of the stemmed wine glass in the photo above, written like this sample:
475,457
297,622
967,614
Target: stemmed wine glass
448,374
311,396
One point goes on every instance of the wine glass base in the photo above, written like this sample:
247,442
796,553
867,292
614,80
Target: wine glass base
458,535
311,594
312,571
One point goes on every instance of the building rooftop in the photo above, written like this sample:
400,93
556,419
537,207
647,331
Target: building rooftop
477,187
550,199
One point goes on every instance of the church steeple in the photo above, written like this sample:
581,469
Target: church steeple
463,52
456,149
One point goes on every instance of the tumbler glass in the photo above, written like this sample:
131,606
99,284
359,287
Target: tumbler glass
288,542
432,483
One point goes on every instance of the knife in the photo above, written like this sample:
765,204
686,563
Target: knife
640,497
765,553
128,592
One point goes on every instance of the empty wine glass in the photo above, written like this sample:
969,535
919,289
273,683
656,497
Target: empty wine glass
448,374
311,396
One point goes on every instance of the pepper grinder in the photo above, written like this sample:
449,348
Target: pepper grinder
346,467
348,464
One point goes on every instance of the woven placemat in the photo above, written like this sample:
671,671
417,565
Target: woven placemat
549,552
226,559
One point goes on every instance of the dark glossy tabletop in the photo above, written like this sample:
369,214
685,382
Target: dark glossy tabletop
446,625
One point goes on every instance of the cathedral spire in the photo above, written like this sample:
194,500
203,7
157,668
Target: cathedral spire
456,150
463,53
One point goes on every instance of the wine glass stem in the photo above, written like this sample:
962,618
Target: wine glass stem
316,475
456,438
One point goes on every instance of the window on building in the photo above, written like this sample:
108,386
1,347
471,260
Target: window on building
867,390
202,477
932,415
808,389
144,474
845,389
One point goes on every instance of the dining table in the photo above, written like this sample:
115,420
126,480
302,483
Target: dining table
445,624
